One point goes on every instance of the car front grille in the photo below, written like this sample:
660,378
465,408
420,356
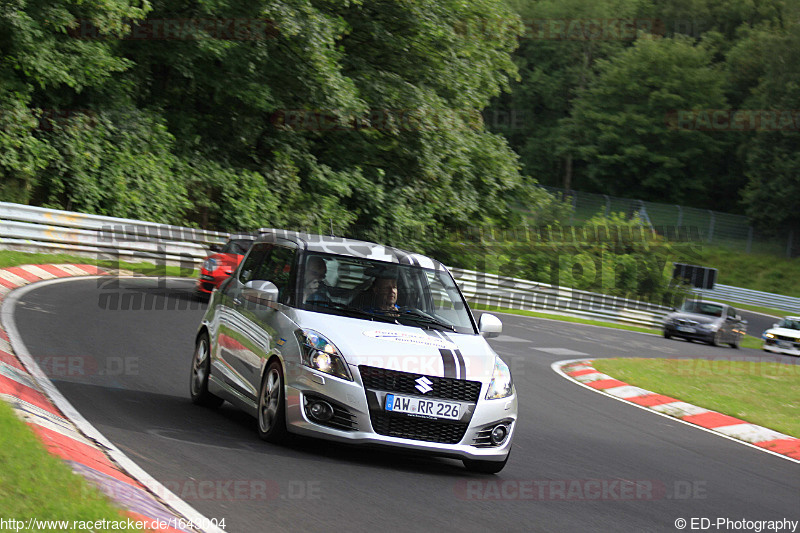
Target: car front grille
405,383
407,427
685,323
787,339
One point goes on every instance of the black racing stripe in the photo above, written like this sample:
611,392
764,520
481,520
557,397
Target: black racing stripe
449,363
462,366
452,360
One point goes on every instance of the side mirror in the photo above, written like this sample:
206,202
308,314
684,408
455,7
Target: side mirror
774,325
215,248
260,292
490,326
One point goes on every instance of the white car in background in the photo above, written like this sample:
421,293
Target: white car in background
783,337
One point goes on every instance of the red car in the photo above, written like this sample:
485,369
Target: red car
219,265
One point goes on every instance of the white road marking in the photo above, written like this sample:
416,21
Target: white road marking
561,351
508,338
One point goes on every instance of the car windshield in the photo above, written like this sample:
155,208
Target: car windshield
790,323
381,291
702,308
236,246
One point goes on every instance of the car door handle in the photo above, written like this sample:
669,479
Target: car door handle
237,301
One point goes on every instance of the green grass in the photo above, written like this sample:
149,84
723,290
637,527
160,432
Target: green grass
762,393
9,258
537,314
35,484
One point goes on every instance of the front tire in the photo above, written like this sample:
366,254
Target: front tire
480,466
201,369
272,405
716,340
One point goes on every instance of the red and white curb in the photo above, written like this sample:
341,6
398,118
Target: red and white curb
65,433
582,372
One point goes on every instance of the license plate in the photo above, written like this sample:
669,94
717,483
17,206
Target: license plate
785,344
686,329
422,407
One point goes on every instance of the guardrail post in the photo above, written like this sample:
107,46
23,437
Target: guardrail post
749,239
711,227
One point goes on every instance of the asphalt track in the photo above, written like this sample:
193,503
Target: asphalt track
120,352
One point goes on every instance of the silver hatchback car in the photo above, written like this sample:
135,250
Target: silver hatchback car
359,343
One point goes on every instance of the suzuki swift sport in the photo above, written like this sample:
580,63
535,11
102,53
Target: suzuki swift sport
359,343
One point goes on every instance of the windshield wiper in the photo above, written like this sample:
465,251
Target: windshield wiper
419,316
352,310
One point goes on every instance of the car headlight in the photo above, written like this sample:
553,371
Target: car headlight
709,327
210,264
501,385
769,335
320,354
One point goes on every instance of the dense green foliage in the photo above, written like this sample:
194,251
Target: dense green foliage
367,119
653,115
361,116
611,255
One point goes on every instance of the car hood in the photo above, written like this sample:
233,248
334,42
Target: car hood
784,332
702,319
404,348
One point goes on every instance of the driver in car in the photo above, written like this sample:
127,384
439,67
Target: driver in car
382,296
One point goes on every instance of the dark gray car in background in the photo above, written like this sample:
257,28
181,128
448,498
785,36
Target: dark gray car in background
711,322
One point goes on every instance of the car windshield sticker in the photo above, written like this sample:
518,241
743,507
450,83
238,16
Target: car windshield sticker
411,338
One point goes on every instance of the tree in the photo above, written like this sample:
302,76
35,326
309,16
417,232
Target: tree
638,130
557,58
234,114
769,148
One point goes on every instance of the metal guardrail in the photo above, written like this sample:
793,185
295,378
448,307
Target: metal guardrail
749,296
514,293
28,228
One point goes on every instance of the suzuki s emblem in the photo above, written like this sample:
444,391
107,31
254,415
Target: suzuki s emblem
424,385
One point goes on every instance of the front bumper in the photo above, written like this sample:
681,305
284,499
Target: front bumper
208,281
359,411
782,347
698,334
